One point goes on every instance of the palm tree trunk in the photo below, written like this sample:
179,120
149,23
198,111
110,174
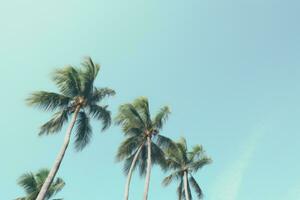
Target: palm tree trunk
43,192
130,172
147,181
185,182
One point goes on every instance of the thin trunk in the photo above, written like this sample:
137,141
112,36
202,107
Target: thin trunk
43,192
147,181
130,172
185,181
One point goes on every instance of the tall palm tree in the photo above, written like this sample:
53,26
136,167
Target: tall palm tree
143,141
32,184
78,98
184,164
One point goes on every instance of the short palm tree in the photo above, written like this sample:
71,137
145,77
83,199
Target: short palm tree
77,98
143,141
184,164
32,184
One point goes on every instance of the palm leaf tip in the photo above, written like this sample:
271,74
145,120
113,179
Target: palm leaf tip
196,187
83,131
161,117
101,93
67,80
101,113
56,123
48,100
88,75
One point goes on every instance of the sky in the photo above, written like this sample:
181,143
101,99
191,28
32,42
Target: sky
229,70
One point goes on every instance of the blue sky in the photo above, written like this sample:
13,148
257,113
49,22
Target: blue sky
229,70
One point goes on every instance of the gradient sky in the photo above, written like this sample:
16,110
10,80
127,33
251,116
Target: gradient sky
228,69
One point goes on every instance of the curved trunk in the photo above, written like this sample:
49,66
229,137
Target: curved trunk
147,181
185,182
126,195
43,192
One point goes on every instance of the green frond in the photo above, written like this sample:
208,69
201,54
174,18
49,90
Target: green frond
56,187
101,93
141,105
129,118
177,175
28,182
32,183
83,131
164,142
48,100
161,117
173,160
41,176
142,161
67,80
196,152
127,164
196,187
55,124
158,156
129,147
182,144
88,75
198,164
101,113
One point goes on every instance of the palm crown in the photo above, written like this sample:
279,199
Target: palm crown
32,184
143,145
137,124
77,90
78,97
181,162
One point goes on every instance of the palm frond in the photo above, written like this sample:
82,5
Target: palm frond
158,156
67,80
142,161
48,100
56,187
129,118
32,183
175,175
164,142
83,131
161,117
101,113
56,123
88,76
28,182
41,176
101,93
196,187
129,147
127,164
196,152
182,144
141,105
196,165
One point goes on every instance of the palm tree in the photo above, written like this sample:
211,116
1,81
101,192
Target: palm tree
77,98
32,184
143,141
184,164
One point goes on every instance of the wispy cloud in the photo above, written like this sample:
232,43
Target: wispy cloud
228,184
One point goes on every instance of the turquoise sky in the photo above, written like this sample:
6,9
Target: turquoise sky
228,69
